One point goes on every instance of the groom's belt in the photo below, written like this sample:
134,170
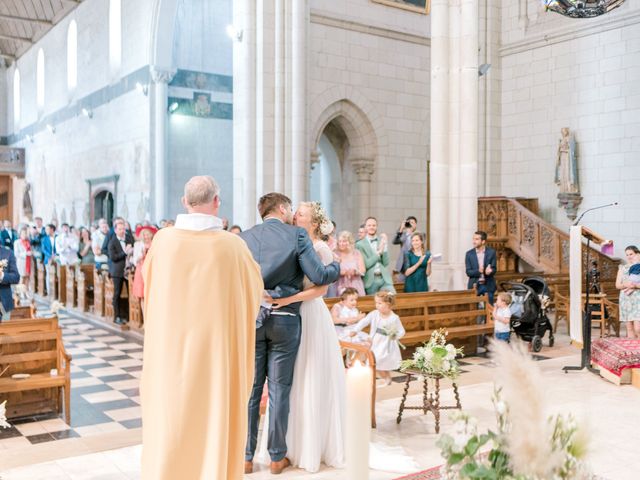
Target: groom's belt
288,314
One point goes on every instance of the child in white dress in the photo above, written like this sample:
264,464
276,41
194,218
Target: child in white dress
385,333
346,315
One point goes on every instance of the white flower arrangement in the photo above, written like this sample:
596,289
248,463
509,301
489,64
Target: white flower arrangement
526,445
436,357
3,415
326,228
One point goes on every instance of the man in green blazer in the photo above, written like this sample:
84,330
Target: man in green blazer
376,259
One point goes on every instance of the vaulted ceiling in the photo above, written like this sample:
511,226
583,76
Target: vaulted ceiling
24,22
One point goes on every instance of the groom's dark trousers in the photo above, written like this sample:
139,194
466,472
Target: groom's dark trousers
278,340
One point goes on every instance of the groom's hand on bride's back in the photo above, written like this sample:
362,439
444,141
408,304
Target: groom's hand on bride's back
311,265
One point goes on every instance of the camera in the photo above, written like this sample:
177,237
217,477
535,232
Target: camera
407,224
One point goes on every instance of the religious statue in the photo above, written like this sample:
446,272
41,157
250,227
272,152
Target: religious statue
27,207
566,176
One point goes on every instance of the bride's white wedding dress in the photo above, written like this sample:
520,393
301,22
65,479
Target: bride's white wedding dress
317,401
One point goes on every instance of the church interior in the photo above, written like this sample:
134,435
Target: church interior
484,151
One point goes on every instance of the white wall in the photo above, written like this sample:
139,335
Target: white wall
387,78
115,141
583,74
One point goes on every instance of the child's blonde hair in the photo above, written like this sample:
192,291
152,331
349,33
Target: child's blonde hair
387,297
348,292
505,297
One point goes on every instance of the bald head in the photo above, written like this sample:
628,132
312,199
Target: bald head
202,195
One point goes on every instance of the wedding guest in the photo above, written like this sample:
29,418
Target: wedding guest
629,293
351,265
8,236
225,223
235,229
140,249
376,259
332,241
9,275
480,263
35,237
97,241
23,253
345,315
502,317
417,266
49,251
403,238
361,232
39,225
67,246
119,249
386,330
85,248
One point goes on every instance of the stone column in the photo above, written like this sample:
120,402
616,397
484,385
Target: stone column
364,170
298,165
161,79
454,136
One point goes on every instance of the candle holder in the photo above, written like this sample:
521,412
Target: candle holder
430,399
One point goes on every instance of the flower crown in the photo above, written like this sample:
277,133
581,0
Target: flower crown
320,215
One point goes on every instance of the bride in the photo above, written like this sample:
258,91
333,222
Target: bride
317,401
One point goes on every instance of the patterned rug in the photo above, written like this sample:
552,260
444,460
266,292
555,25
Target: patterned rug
431,474
616,354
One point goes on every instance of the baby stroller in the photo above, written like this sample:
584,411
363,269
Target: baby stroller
528,310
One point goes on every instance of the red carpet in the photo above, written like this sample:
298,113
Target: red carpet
431,474
616,354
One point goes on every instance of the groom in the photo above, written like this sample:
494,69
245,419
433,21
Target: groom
285,254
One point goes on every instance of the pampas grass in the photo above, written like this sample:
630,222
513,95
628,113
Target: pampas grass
522,388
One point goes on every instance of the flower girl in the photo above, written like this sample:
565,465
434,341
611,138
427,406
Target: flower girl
386,332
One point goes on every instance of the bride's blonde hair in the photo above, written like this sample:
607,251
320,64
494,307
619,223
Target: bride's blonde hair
320,218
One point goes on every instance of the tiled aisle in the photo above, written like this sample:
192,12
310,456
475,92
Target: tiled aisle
105,372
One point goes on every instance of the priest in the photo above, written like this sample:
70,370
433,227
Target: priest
203,291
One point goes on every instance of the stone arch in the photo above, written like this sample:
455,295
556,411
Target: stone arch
163,24
353,132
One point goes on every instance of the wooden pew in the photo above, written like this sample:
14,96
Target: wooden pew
23,312
423,313
98,293
41,278
135,307
33,276
52,284
62,284
70,287
108,298
84,280
35,347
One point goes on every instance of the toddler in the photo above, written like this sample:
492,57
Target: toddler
502,317
346,315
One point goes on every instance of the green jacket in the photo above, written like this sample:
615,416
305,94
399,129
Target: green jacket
370,259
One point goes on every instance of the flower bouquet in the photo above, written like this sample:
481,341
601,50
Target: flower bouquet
392,333
435,358
527,444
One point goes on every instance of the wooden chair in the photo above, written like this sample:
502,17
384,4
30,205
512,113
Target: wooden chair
598,311
562,307
23,312
52,284
108,298
135,307
34,347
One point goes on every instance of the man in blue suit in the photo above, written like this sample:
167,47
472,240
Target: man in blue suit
285,255
8,276
8,236
480,263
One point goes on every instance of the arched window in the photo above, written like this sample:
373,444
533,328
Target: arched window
115,36
40,81
16,100
72,56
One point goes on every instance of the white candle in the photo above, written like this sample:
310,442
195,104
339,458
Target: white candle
358,422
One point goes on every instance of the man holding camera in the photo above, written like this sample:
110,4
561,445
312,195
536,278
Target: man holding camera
403,238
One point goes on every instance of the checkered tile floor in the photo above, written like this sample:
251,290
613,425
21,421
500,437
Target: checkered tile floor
105,377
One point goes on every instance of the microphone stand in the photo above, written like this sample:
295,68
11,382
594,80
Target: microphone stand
586,316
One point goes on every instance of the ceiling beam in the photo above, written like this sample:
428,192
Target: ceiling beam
4,36
8,57
4,16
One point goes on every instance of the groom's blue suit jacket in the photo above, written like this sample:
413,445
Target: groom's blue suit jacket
285,255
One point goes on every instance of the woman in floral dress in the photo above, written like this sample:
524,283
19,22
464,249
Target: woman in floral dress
629,293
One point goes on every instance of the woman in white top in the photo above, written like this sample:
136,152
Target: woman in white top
22,251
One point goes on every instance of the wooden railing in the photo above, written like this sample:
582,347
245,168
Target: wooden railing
509,224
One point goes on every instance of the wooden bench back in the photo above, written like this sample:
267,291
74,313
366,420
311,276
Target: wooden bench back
432,310
61,275
98,293
41,277
84,282
70,286
30,346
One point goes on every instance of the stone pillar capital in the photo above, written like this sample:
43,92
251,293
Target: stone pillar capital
314,159
161,75
363,168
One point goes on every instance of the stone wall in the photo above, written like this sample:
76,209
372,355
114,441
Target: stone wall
582,74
